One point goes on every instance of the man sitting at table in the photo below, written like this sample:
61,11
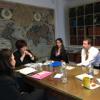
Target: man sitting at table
89,55
22,54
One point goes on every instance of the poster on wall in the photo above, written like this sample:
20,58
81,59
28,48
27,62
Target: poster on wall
33,24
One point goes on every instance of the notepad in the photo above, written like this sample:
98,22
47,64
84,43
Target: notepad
58,75
26,70
81,76
41,75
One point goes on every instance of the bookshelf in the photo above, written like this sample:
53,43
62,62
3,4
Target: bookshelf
84,21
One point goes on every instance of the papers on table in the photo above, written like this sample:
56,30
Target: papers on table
47,62
26,70
58,75
93,86
81,76
98,79
29,64
41,75
33,65
69,67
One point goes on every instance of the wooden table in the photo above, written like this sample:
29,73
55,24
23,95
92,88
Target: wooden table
72,88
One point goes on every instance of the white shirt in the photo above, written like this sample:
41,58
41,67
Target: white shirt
93,57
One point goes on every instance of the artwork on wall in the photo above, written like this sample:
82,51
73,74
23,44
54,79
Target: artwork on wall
34,24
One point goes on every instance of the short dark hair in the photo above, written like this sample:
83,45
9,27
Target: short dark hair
89,40
5,58
20,43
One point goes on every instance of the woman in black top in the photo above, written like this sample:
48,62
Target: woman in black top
58,52
23,55
9,87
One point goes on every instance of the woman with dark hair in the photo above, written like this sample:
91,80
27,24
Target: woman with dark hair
9,87
23,55
58,52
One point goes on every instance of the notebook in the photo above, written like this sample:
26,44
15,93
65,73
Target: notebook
26,70
41,75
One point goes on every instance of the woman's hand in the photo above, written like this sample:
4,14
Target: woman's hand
29,54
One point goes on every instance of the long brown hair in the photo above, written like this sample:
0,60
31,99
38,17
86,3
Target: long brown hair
62,46
5,58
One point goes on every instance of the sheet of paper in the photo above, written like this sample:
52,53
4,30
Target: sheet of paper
33,65
58,75
29,64
81,76
36,65
94,87
47,62
26,70
41,75
69,67
98,79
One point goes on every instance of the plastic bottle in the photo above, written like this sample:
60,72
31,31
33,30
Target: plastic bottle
64,73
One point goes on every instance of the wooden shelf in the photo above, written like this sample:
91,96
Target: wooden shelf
84,21
75,57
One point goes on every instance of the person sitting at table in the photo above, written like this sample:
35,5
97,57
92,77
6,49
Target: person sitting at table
22,54
9,87
58,52
90,55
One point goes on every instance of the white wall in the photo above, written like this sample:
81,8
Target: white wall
60,20
73,3
40,3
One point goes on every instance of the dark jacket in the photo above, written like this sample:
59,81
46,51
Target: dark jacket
62,56
26,60
9,90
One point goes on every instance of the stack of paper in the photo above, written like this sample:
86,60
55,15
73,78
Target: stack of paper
81,76
26,70
41,75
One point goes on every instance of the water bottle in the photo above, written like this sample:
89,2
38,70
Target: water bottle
90,70
39,67
64,73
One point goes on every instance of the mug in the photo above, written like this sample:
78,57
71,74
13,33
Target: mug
86,82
